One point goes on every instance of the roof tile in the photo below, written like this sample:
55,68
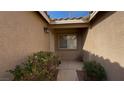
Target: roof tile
73,18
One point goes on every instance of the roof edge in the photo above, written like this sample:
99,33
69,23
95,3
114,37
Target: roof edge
68,22
45,16
93,15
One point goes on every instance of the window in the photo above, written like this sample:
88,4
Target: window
67,41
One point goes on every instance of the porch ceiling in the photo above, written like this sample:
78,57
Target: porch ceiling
76,25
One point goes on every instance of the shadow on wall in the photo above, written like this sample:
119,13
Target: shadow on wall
100,17
84,36
114,71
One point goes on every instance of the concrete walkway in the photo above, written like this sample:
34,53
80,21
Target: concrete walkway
67,70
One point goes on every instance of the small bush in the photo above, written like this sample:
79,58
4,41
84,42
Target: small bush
39,66
94,71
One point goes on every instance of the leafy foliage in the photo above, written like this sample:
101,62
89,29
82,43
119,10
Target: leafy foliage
39,66
17,72
94,71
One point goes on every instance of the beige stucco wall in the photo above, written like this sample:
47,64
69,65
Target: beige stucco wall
70,54
21,34
52,40
105,43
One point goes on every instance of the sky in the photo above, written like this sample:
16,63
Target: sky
65,14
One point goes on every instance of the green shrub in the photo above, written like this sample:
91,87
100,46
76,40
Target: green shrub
94,71
17,72
39,66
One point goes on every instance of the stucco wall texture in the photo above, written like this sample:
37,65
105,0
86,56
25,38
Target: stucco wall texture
21,34
105,44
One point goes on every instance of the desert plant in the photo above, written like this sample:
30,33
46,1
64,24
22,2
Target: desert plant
17,73
94,71
39,66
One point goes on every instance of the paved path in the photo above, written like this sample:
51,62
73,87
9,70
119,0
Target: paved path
67,70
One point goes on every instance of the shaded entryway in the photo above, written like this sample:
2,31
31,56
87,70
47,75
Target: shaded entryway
69,53
67,70
69,43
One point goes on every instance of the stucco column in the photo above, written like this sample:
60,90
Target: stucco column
51,37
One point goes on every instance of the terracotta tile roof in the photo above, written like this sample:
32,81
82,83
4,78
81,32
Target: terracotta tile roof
73,18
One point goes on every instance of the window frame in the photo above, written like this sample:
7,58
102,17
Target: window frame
70,34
